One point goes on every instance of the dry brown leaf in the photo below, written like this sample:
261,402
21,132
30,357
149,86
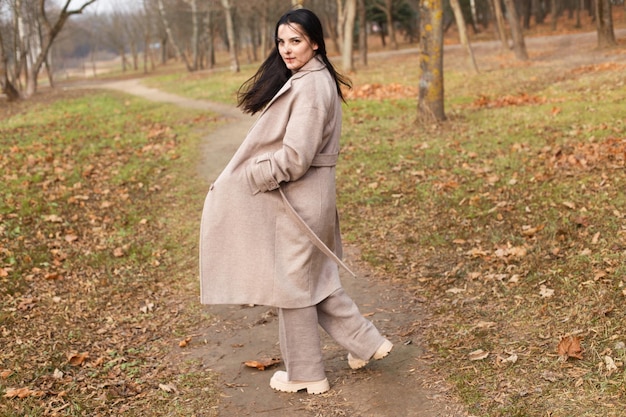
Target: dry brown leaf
546,292
22,393
53,276
262,364
168,388
478,355
5,373
569,347
53,218
69,238
185,342
531,231
77,359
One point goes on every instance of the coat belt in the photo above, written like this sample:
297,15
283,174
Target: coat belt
325,160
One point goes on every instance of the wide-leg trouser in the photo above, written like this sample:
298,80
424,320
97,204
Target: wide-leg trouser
339,316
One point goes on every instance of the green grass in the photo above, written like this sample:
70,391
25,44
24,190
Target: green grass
219,85
90,229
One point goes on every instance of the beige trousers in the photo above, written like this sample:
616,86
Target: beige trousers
339,316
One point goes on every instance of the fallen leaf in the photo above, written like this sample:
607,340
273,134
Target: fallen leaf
5,373
262,364
53,218
508,360
546,292
569,205
77,359
478,355
610,364
22,393
53,276
69,238
147,308
531,231
569,347
485,325
168,388
185,342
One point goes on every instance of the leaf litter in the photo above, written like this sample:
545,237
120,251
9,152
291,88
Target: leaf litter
88,300
507,261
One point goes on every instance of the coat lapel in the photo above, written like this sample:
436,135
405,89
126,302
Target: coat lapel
315,64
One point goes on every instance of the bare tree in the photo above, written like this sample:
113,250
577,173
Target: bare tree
497,11
387,7
5,84
180,53
362,32
346,15
34,33
430,104
460,22
232,39
604,23
195,36
519,46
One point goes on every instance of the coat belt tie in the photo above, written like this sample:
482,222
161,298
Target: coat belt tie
320,160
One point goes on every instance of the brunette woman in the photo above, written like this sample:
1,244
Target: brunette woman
270,229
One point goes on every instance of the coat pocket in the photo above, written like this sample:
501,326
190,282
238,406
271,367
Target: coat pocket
259,174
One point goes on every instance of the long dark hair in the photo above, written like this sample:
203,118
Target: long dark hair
257,91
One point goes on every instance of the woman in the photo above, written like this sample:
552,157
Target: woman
270,230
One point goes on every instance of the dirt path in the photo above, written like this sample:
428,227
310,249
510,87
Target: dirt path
395,386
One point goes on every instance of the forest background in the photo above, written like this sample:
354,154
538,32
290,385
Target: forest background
505,222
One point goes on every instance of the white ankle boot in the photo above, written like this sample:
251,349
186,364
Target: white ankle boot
381,352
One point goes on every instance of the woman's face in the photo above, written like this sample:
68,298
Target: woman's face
294,46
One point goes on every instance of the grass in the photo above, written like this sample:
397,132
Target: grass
91,253
453,208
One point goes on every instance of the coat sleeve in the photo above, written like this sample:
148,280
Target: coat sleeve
304,136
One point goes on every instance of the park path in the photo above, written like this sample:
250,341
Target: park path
400,385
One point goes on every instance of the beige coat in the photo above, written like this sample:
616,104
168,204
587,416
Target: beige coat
251,250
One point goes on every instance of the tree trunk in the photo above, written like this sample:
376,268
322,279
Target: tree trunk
265,44
362,32
170,36
497,10
50,32
604,24
519,46
348,36
49,71
430,105
195,37
460,22
5,85
474,14
527,8
390,27
555,14
232,40
208,23
341,24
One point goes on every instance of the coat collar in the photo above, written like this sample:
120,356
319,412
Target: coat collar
314,64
